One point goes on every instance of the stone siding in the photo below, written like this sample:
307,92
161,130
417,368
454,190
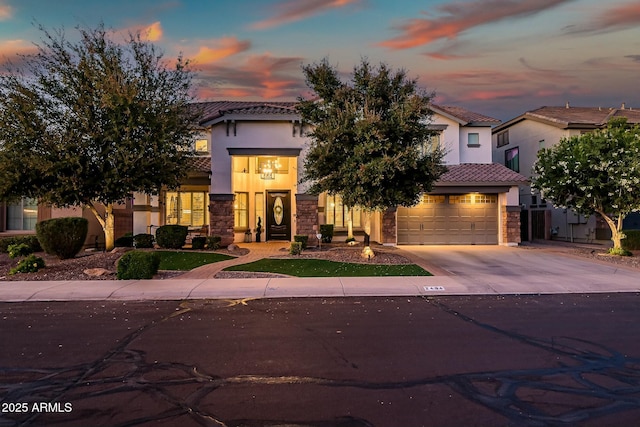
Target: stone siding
221,217
307,216
511,225
389,231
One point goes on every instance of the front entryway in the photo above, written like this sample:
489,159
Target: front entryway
278,215
469,219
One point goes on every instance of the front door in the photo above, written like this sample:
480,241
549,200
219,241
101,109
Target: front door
278,215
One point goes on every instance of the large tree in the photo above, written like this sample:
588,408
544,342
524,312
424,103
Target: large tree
90,122
597,172
370,137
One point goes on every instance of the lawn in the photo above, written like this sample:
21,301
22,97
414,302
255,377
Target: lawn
179,260
324,268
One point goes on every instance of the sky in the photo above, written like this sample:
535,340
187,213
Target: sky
499,58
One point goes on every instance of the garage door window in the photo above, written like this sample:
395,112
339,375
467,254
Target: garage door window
473,198
429,199
466,199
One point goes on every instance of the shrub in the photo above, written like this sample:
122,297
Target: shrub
213,242
18,250
138,265
302,239
62,237
327,232
30,264
143,240
125,241
295,248
632,241
350,239
171,236
619,252
31,240
198,242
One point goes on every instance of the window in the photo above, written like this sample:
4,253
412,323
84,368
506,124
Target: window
202,145
186,208
259,206
466,199
473,140
22,215
429,145
503,138
512,159
275,164
429,199
241,211
240,164
338,214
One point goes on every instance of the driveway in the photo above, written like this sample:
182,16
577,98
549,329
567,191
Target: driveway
514,269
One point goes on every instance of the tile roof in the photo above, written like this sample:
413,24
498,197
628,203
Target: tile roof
480,173
215,109
464,115
576,117
200,164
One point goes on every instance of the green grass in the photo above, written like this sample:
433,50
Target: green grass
184,261
324,268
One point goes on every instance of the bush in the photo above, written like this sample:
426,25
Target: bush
619,252
350,239
295,248
30,264
62,237
327,232
632,241
31,240
125,241
143,240
213,242
138,265
198,242
171,236
302,239
18,250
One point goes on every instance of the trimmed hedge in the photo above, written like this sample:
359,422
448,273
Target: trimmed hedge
171,236
327,232
31,240
198,242
125,241
302,238
632,242
62,237
295,248
143,240
213,242
138,265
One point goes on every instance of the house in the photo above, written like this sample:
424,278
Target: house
516,144
247,169
257,150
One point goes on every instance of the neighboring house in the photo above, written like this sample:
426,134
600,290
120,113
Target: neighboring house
257,152
516,144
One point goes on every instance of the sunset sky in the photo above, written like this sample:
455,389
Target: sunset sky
496,57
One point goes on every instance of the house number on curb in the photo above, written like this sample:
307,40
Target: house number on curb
434,288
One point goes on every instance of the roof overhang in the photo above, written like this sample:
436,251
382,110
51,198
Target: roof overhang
266,151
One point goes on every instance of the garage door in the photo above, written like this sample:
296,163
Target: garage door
469,219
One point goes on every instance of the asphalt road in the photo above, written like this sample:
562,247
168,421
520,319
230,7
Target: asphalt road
560,360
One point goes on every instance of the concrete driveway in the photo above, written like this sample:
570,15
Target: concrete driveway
515,269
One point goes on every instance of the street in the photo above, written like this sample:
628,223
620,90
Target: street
550,360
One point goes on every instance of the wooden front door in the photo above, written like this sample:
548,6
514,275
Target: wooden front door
278,215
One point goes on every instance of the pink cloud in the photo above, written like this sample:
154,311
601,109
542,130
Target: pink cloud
458,17
11,49
152,32
220,49
620,17
295,10
6,11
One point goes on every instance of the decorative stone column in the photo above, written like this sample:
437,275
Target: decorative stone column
221,217
307,216
511,225
389,231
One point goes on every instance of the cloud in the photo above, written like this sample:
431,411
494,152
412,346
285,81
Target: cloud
617,18
458,17
220,49
288,11
259,76
634,58
6,11
11,50
152,32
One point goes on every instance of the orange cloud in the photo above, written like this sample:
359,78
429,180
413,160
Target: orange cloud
153,32
5,11
9,50
295,10
222,48
459,17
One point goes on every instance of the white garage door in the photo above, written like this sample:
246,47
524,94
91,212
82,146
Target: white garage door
469,219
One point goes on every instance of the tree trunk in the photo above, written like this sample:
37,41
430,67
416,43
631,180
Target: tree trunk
108,224
616,229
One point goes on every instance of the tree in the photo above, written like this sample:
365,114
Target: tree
91,122
598,172
370,137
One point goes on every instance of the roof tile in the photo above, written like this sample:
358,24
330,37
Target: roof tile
481,173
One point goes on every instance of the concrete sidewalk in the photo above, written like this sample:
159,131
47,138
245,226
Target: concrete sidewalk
179,289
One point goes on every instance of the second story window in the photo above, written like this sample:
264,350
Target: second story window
202,145
512,159
503,138
473,140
